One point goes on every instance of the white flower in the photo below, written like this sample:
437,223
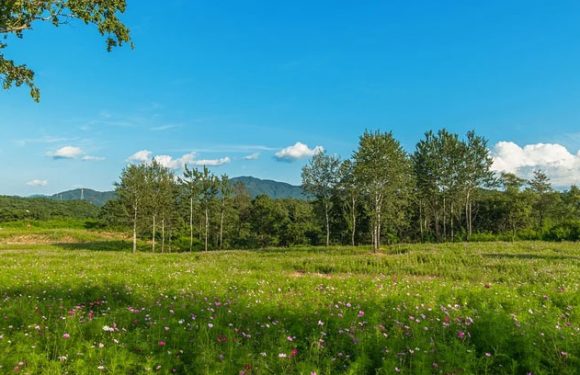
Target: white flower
108,329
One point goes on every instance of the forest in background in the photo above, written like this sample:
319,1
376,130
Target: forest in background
444,191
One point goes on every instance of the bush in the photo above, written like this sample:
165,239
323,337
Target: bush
567,231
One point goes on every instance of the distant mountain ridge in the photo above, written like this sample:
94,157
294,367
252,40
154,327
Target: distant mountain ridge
255,186
271,188
98,198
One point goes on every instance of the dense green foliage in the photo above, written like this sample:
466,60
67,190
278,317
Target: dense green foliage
496,308
445,191
15,208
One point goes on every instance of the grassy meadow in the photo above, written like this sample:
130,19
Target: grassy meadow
76,301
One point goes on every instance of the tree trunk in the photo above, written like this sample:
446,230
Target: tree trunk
451,224
153,234
206,228
163,235
467,217
353,221
134,229
444,219
326,209
221,244
191,224
421,219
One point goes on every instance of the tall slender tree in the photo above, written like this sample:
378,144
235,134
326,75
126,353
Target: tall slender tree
191,185
319,178
383,172
225,191
131,190
209,189
348,189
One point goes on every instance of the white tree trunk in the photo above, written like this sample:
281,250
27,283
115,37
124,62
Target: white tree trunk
135,228
153,235
191,224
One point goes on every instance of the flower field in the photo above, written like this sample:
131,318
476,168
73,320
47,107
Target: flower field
485,308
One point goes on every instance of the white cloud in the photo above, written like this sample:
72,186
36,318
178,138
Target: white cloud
298,151
213,162
560,165
254,156
168,161
37,183
143,156
146,156
66,152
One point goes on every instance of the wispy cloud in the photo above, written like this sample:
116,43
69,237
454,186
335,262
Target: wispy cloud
297,151
46,139
165,127
254,156
37,183
213,162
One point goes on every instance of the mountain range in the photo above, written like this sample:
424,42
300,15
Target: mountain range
255,186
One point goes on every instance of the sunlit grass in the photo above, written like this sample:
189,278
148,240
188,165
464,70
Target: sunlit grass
455,308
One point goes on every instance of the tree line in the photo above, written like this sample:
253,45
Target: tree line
444,191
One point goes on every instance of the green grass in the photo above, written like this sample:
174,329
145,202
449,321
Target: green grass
478,308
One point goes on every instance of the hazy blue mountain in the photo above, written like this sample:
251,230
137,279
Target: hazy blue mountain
98,198
255,186
273,189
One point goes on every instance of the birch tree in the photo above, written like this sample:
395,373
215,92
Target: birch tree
225,191
191,183
131,191
349,191
319,178
209,189
383,172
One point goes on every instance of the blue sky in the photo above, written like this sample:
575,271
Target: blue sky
228,80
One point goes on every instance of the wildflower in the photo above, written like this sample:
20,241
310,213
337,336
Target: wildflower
263,354
320,323
282,355
290,338
162,343
108,329
313,373
461,335
361,314
66,336
210,325
101,368
488,355
294,353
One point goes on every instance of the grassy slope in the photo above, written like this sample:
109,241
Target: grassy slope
462,308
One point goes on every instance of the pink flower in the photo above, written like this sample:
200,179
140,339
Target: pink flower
361,314
162,343
294,353
461,335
